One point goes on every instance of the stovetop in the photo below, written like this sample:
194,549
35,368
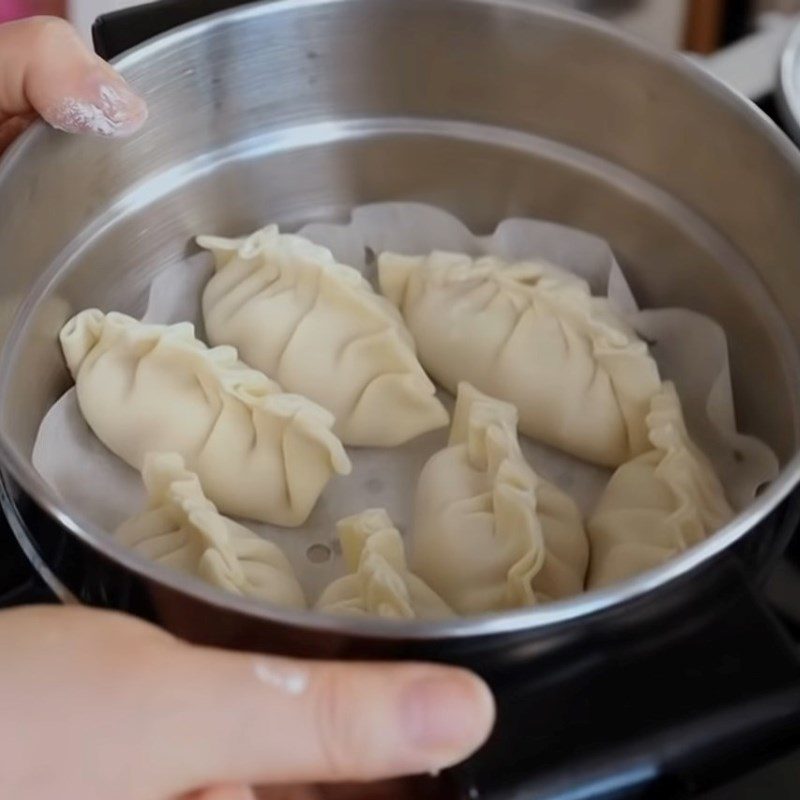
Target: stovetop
20,584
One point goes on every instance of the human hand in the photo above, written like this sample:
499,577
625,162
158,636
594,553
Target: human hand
45,71
95,705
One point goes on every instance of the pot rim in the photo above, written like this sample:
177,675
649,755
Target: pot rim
19,470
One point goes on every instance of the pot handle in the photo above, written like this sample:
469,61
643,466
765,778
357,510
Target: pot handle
118,31
647,703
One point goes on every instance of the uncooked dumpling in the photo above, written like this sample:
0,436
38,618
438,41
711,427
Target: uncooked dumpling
380,582
532,334
182,529
489,533
319,329
657,505
258,452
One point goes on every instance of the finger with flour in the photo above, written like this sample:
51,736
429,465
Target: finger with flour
46,70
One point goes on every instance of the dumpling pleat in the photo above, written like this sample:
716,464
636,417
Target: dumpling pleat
379,582
227,420
660,503
531,334
203,542
485,523
322,332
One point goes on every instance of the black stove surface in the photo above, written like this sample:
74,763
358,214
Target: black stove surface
20,584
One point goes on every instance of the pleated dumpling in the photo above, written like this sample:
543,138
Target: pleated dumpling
531,334
258,452
319,329
182,529
379,582
657,505
489,534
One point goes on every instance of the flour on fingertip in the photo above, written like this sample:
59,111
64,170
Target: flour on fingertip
115,112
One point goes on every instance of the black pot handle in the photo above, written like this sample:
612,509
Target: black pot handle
119,31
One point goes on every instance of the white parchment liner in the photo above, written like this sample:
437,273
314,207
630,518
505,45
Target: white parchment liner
690,349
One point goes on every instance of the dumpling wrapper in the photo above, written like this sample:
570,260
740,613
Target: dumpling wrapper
380,582
319,329
532,334
489,533
259,453
657,505
182,529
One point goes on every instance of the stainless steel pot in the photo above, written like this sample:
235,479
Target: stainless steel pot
293,111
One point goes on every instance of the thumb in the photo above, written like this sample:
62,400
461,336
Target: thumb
46,70
112,697
227,718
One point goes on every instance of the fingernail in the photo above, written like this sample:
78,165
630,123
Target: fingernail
447,716
109,108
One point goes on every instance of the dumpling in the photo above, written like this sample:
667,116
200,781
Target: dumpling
380,582
531,334
489,534
319,329
657,505
259,453
183,530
